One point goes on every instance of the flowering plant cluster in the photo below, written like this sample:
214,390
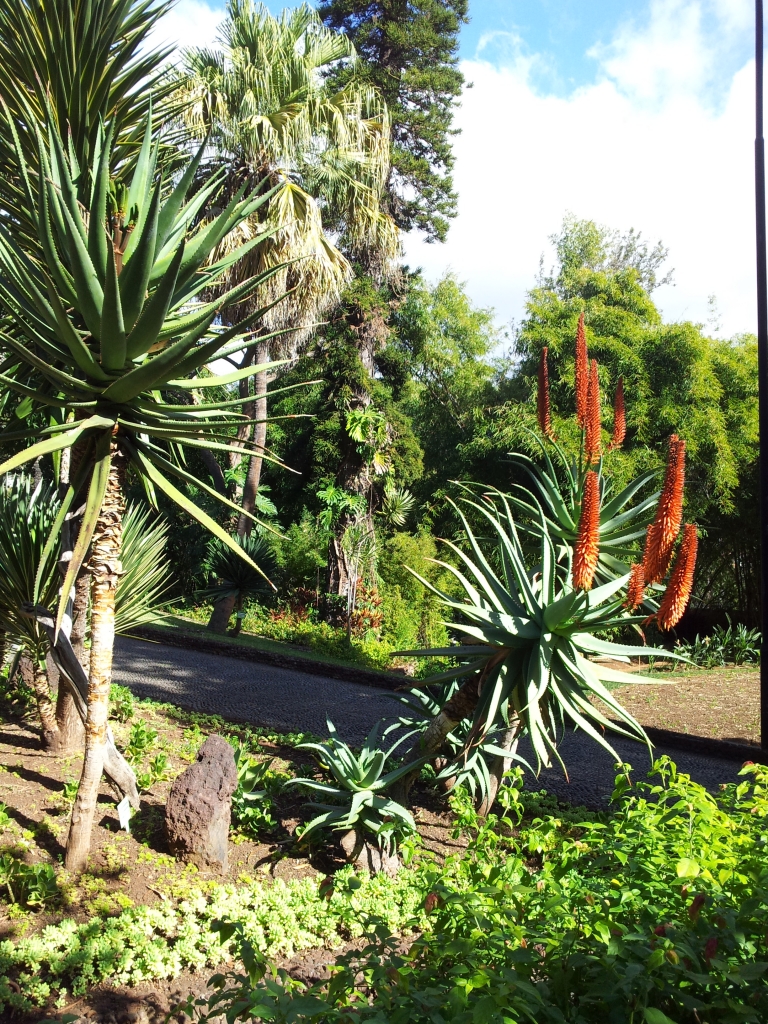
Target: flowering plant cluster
532,624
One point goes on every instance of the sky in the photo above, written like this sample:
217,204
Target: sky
633,113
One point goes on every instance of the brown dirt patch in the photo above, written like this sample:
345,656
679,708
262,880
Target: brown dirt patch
721,703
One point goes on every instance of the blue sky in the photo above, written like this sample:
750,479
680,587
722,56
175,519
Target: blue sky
633,113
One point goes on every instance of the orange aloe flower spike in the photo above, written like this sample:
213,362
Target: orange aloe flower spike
635,587
592,443
663,531
678,592
619,417
587,546
542,397
581,373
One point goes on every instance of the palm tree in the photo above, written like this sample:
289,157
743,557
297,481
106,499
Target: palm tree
264,99
112,328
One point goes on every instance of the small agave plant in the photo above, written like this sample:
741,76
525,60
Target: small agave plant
532,625
358,803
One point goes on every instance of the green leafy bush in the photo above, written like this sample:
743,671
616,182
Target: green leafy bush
253,800
31,885
650,914
122,703
737,645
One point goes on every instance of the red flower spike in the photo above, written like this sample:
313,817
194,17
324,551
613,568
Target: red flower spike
592,434
678,592
587,547
695,908
542,397
581,373
709,950
619,417
663,531
635,587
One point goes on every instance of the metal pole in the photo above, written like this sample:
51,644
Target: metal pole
762,355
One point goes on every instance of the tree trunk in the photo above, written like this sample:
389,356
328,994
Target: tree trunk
71,728
105,570
34,674
222,610
253,477
500,766
461,705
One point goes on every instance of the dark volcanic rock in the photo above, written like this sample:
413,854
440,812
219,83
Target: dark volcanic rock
197,814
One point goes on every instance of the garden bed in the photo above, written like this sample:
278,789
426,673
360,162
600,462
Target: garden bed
142,919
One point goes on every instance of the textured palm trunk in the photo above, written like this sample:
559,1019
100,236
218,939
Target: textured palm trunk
70,724
34,674
253,477
461,705
105,569
223,609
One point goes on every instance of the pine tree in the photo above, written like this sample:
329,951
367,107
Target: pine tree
408,49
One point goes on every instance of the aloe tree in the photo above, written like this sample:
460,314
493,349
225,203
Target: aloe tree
112,328
79,63
531,622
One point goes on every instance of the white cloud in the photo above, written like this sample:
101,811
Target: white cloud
189,23
649,146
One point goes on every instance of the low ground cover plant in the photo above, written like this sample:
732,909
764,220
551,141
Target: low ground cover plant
141,943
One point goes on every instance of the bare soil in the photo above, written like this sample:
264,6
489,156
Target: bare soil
721,703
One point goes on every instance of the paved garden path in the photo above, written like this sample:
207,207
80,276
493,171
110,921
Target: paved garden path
289,700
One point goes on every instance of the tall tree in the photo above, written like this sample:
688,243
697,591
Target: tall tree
82,64
409,51
274,118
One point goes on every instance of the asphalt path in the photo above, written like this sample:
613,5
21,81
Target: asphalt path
288,700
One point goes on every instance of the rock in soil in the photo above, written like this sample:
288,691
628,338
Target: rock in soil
198,812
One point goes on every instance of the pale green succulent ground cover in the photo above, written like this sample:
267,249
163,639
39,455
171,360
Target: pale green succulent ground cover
279,918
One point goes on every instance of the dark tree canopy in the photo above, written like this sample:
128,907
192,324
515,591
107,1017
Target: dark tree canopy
408,49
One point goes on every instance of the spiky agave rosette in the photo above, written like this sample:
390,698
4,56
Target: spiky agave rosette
530,633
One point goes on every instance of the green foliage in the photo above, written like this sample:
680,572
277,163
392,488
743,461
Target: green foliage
360,789
253,800
410,54
530,632
142,943
122,703
299,553
735,644
32,885
140,741
441,350
235,577
147,577
28,571
653,912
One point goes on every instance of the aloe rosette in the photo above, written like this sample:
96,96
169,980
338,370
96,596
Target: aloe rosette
359,799
529,635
